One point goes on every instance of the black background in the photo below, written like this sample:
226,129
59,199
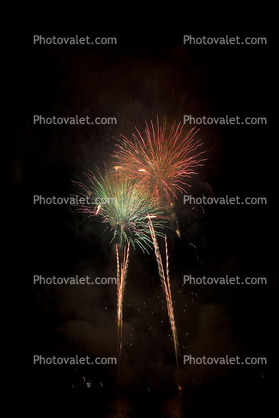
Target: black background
139,78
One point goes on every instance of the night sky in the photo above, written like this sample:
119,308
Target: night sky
136,80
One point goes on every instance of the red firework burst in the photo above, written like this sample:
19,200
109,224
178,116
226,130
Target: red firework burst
158,160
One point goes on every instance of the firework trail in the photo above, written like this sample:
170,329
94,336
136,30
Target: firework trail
158,160
166,283
121,281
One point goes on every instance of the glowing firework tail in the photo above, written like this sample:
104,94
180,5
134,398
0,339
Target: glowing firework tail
169,304
159,161
122,270
166,283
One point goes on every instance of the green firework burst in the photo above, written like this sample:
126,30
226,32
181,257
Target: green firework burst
124,207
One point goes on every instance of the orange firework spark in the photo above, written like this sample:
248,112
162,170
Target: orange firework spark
159,161
166,283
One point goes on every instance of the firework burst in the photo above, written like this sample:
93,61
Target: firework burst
158,160
122,206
